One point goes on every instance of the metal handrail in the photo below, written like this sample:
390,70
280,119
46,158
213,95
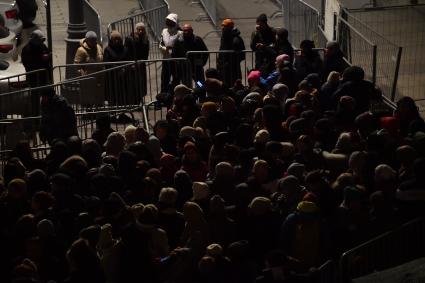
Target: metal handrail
87,77
343,272
355,30
135,15
23,74
348,14
94,10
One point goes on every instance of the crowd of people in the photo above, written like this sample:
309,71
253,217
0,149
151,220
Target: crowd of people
239,183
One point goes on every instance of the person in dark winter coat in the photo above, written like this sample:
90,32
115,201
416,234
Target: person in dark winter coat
116,52
354,85
191,42
334,60
262,42
283,46
308,61
137,45
35,55
58,119
228,65
27,12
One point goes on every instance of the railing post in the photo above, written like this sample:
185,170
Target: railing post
343,272
397,68
374,59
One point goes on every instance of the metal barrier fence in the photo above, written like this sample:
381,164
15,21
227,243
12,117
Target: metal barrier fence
327,272
24,125
92,19
19,81
387,3
303,22
387,55
156,17
387,250
403,25
357,49
210,6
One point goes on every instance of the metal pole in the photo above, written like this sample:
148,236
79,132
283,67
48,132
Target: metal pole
49,36
397,68
374,64
76,28
49,25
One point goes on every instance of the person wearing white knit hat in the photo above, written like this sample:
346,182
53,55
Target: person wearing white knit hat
169,36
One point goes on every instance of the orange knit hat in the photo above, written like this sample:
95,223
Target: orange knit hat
227,23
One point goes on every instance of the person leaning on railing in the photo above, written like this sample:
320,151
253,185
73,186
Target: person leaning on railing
262,42
191,42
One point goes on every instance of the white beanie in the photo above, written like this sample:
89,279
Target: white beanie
172,17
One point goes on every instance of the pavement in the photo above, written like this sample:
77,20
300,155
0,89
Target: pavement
189,12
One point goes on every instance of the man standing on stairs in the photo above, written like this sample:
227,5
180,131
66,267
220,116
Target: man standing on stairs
229,64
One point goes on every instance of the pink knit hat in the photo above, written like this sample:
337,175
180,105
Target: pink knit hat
282,58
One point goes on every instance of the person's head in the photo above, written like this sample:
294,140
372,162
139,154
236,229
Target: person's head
254,78
282,34
149,215
130,134
333,77
91,39
192,212
261,22
17,189
37,37
261,170
115,39
224,169
332,47
227,25
168,196
114,143
307,46
160,130
191,153
140,28
406,107
187,31
212,73
171,20
281,60
353,73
